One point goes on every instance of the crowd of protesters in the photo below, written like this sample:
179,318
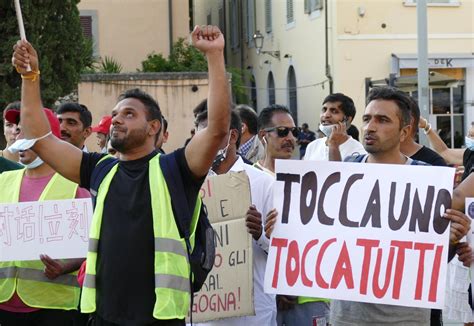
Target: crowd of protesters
124,279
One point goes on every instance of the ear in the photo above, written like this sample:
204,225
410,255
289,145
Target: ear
234,135
405,133
155,127
349,120
261,133
244,128
87,132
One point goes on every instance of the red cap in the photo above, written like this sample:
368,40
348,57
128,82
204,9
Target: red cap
13,116
104,125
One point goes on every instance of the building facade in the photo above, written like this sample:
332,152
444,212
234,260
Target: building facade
130,30
314,47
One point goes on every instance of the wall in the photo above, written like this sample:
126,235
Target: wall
128,30
173,91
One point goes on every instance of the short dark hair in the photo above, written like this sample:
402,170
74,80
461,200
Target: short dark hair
265,117
415,114
84,114
164,123
201,107
235,123
153,109
347,104
403,101
249,117
12,106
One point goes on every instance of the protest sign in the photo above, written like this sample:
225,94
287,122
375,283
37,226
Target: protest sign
58,228
361,232
228,290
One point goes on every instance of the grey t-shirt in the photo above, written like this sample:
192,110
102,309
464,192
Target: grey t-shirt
345,313
350,313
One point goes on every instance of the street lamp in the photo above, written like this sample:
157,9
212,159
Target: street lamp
258,41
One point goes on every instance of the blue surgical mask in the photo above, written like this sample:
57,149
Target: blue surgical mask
469,143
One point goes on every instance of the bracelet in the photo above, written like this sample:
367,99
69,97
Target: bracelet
32,75
427,128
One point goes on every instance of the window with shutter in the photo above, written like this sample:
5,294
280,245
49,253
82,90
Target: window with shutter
234,20
209,18
289,12
250,21
268,16
90,29
86,24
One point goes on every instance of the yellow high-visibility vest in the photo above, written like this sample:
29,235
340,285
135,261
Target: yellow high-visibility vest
27,277
172,269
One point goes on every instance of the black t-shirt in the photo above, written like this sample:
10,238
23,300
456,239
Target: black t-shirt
125,264
467,160
429,156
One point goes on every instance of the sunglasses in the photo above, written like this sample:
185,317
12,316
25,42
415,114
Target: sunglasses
284,131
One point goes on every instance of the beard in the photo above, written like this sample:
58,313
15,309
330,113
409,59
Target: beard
133,139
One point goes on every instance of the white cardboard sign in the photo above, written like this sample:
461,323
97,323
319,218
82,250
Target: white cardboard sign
58,228
361,232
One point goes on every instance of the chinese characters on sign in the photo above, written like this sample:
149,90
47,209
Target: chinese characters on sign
59,228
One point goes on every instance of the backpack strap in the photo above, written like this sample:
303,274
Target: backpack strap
182,215
102,168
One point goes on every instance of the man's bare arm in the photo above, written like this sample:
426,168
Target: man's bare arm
203,147
465,189
450,155
61,156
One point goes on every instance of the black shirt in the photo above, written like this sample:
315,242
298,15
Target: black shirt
429,156
125,264
467,161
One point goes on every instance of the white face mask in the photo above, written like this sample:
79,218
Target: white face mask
220,156
326,129
469,143
33,165
24,144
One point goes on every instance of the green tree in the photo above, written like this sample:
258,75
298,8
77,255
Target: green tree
183,57
54,29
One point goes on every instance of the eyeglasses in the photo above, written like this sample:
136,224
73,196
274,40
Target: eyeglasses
284,131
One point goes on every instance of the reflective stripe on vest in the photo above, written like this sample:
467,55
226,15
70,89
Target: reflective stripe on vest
172,283
27,277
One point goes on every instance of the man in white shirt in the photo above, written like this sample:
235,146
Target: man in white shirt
261,184
336,116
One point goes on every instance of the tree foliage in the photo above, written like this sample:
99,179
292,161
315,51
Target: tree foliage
183,57
54,29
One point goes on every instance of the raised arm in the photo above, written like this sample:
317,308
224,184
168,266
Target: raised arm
61,156
203,147
450,155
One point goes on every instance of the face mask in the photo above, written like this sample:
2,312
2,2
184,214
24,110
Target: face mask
326,129
469,143
37,162
220,157
24,144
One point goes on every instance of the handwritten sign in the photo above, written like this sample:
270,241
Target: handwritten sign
228,291
58,228
361,232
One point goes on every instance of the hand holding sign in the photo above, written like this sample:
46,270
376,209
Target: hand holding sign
464,252
460,224
253,221
24,56
53,268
